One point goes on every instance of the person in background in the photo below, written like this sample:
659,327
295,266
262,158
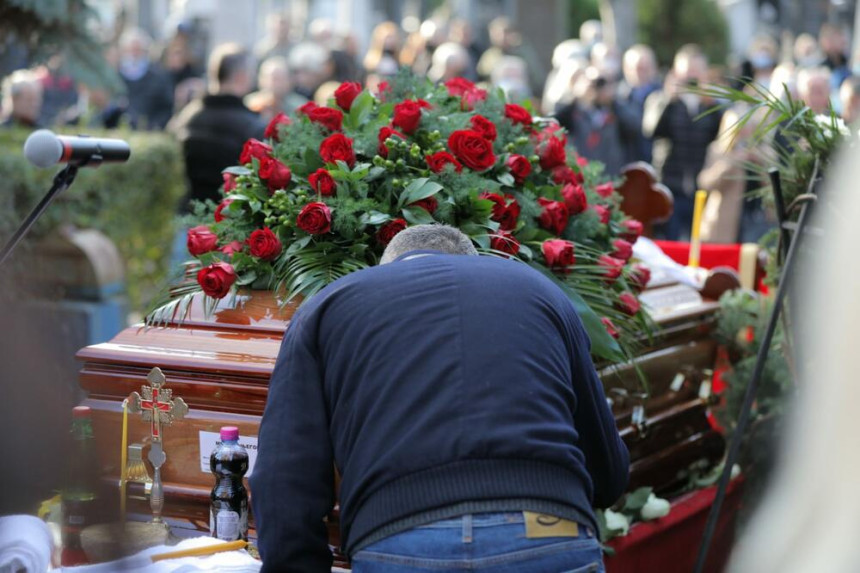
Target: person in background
22,100
681,137
345,67
275,94
640,81
441,414
149,92
805,51
450,60
461,33
276,42
383,56
506,40
213,129
420,47
607,60
813,87
783,81
325,93
512,76
185,74
311,66
555,88
849,97
590,33
59,92
834,46
761,61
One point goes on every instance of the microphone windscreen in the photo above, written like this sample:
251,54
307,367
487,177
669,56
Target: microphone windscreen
43,148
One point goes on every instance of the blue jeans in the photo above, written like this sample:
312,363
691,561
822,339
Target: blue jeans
481,542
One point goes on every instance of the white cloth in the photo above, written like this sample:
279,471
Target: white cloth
227,562
25,544
663,267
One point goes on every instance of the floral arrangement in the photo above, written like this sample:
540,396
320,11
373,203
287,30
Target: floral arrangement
328,189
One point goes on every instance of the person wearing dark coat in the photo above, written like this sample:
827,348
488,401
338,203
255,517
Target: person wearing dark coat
213,129
148,101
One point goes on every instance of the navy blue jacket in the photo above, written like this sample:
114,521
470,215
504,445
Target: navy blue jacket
430,382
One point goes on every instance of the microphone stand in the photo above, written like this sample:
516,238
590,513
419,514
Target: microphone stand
62,181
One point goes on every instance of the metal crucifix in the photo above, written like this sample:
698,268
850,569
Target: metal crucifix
159,407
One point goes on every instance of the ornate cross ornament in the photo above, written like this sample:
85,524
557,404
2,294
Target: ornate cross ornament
159,407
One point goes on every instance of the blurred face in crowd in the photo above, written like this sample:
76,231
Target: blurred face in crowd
690,69
275,78
27,102
817,93
832,41
849,96
639,67
279,28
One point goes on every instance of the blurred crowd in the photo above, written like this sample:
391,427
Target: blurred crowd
617,107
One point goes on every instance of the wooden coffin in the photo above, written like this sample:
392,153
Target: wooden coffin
221,366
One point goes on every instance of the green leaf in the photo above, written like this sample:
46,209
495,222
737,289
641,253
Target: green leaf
506,179
637,499
482,240
360,110
418,189
299,244
375,218
247,278
237,170
417,216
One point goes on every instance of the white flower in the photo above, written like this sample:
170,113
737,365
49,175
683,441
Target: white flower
826,122
617,523
654,508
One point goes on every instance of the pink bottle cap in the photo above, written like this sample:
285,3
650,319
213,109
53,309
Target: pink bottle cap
229,434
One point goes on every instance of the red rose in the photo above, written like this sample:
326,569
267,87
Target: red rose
327,117
623,249
632,230
628,303
612,267
518,114
558,254
640,276
471,97
605,189
440,159
216,279
314,218
429,204
574,198
218,210
264,244
381,89
384,133
485,127
581,161
603,212
503,213
337,147
272,130
346,93
610,327
505,242
554,216
275,174
564,174
388,230
519,166
407,115
472,150
307,108
229,182
459,86
322,182
254,148
231,248
201,240
552,153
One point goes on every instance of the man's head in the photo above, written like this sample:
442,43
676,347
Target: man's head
832,40
22,97
849,97
274,76
441,238
640,65
230,70
690,65
813,87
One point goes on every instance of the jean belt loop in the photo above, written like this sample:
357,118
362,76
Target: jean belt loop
467,528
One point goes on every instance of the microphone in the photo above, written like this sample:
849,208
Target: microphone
43,148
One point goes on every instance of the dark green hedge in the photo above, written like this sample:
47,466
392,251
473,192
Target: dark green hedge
132,203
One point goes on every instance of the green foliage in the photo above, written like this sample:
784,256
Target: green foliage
580,11
134,203
666,25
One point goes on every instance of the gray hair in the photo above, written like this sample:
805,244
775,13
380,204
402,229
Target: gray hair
448,240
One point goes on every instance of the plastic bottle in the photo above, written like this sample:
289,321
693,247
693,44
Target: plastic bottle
228,514
79,494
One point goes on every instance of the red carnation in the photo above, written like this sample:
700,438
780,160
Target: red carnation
274,173
623,249
388,230
554,216
337,147
440,159
574,198
485,127
552,153
216,279
610,327
201,240
612,267
472,150
429,204
518,114
459,86
632,230
605,189
231,248
519,166
628,303
219,216
384,133
346,93
558,254
314,218
407,115
328,117
564,174
307,108
254,148
264,244
272,130
322,182
640,276
229,182
603,212
505,242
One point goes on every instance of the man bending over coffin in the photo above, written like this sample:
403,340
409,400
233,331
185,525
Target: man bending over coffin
456,397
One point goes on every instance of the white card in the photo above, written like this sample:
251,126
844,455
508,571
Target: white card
210,440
